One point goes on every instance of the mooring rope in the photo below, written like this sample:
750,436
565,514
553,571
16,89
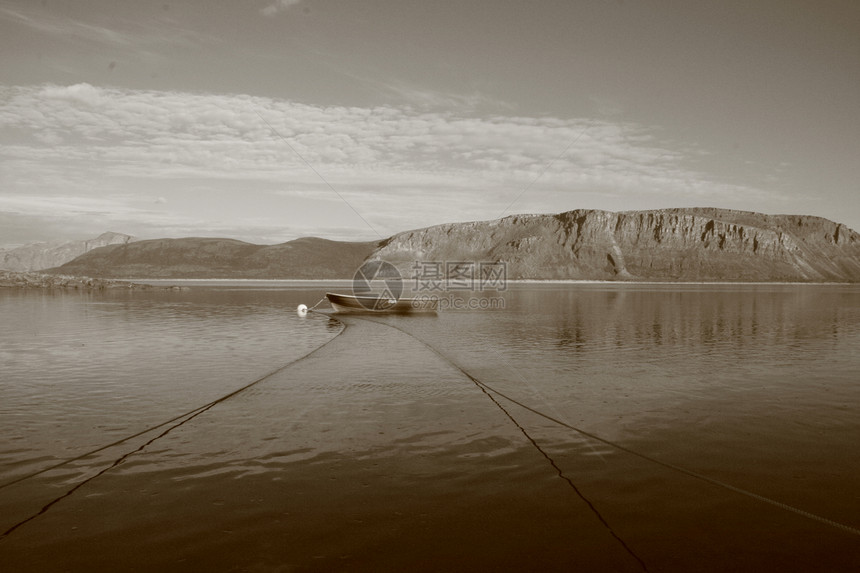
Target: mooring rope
667,465
186,417
558,470
97,450
528,437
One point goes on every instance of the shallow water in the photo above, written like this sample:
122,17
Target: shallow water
720,429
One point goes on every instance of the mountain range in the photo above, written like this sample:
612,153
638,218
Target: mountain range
37,256
687,244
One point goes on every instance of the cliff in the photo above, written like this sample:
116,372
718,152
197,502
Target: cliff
697,244
46,255
306,258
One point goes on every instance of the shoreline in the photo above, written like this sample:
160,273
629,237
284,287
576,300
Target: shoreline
45,281
509,281
24,279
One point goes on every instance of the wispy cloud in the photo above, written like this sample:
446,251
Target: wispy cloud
147,38
428,99
278,6
129,154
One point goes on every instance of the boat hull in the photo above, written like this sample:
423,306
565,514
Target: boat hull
374,304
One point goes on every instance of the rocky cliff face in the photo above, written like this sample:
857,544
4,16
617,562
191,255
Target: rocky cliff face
698,244
46,255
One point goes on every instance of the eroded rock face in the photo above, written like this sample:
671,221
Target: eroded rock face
673,244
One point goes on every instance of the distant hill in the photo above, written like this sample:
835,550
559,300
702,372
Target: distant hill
696,244
39,256
306,258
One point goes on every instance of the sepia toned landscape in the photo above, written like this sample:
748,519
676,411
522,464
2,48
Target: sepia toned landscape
385,286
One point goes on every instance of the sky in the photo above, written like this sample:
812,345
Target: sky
269,120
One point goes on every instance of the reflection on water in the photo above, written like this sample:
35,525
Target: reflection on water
81,369
596,351
689,316
377,453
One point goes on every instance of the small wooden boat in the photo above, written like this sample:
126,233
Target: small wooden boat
371,303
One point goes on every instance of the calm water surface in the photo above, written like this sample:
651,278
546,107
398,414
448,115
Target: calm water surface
720,431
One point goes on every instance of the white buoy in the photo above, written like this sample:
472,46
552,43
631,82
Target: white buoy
302,310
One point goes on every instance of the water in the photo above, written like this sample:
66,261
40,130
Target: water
377,452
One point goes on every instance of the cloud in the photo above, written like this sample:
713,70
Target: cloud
80,93
278,6
85,150
109,31
154,135
58,204
427,99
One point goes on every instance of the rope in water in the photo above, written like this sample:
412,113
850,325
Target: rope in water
531,440
186,417
569,481
667,465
